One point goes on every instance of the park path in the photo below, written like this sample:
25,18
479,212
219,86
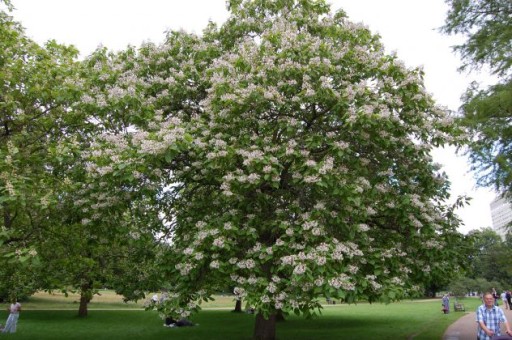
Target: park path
465,327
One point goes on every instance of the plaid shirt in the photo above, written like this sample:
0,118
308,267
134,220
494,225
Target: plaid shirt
492,319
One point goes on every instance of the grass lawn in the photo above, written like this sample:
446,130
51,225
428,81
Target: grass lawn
55,317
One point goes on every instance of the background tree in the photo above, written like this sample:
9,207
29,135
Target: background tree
464,285
487,26
490,256
461,252
34,102
100,241
487,115
91,257
461,286
295,159
53,217
488,263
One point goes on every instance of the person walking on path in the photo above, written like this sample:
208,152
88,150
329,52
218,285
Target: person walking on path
446,304
503,296
496,296
12,320
489,319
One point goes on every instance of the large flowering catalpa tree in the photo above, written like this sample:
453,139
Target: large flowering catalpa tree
289,156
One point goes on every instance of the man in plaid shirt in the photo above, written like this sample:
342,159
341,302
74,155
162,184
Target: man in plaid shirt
489,318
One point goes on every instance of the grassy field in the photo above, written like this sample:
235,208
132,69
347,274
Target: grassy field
106,299
55,317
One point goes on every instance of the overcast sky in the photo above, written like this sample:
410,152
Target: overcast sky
408,27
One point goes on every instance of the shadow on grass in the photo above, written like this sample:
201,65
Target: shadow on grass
337,327
125,325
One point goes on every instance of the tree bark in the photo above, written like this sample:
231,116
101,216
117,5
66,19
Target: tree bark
82,310
7,216
265,329
85,298
238,306
280,316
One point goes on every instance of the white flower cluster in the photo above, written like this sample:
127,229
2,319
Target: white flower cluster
372,280
184,268
299,269
342,281
397,281
350,249
432,244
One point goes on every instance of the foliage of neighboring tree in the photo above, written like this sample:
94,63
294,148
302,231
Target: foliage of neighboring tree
464,285
464,249
487,27
487,114
439,283
490,256
57,230
107,240
489,263
91,257
460,287
288,155
34,98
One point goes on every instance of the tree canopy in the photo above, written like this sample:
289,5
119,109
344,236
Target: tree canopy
34,99
289,156
46,240
283,153
489,256
487,116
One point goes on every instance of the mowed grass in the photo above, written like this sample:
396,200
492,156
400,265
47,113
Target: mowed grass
110,318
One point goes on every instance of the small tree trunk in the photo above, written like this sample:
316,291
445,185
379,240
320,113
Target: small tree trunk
82,310
7,216
85,298
238,306
280,316
265,329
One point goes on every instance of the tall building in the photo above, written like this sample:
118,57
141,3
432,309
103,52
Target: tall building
501,214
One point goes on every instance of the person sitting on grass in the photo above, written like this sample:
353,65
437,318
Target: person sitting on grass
170,322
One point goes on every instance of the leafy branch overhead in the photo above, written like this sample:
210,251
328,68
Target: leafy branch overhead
487,27
486,114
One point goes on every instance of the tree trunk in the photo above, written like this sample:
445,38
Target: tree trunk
238,306
85,298
82,310
280,316
7,216
265,329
